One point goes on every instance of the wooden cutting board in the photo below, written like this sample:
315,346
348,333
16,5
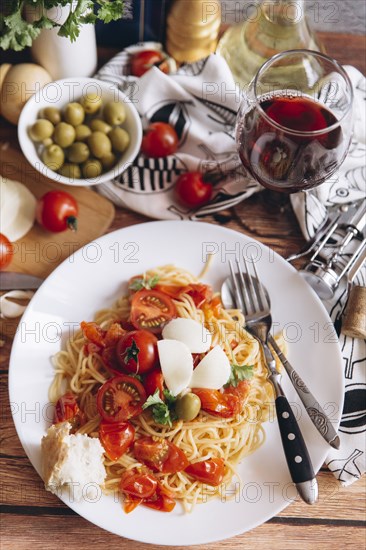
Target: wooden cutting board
39,252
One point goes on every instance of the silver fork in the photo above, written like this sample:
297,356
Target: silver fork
252,300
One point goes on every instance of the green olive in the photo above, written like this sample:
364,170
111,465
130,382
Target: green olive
74,113
120,139
50,113
70,170
98,125
64,134
78,152
91,168
91,102
53,157
48,141
188,406
99,144
108,161
114,113
41,129
82,132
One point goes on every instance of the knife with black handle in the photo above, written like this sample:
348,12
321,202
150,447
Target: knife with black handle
10,280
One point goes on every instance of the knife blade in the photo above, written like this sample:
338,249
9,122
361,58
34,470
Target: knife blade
10,280
314,410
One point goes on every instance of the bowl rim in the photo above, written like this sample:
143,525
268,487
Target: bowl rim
110,175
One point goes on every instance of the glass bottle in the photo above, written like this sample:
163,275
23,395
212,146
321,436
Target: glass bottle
274,26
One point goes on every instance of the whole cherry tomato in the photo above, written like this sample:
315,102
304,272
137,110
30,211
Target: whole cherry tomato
191,189
160,140
57,211
137,351
6,251
141,62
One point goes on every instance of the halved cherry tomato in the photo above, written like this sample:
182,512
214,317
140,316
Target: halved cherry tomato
114,334
116,438
209,471
154,380
93,332
137,351
160,501
120,398
141,62
151,310
6,251
162,456
160,140
239,392
191,190
138,484
67,409
225,405
198,291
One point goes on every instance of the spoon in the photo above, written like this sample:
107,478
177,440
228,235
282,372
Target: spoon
312,407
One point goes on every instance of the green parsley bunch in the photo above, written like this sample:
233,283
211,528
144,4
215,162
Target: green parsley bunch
16,32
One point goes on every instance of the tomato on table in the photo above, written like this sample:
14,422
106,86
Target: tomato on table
159,140
116,438
67,409
209,471
137,351
154,380
57,211
120,398
191,189
6,251
142,61
151,310
162,456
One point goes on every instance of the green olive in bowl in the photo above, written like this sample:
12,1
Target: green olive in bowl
64,134
42,129
74,114
92,168
99,144
99,125
114,113
53,157
108,161
82,132
70,170
119,138
51,113
78,152
91,102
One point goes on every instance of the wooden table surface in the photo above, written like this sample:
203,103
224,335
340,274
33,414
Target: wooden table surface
34,518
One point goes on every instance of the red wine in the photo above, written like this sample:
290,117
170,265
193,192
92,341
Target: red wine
277,155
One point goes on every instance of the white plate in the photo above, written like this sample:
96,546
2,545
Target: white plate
94,277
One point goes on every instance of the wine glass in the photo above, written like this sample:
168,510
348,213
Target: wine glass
294,125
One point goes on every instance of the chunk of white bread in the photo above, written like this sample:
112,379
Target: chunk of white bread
73,461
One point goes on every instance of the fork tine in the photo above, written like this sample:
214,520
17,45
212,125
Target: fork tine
262,294
243,287
238,298
253,295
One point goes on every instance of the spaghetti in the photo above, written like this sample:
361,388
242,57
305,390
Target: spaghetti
203,438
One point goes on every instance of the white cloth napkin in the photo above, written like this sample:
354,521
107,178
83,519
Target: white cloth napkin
201,101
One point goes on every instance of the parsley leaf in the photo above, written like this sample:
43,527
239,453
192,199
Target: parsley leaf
239,373
142,282
162,412
17,33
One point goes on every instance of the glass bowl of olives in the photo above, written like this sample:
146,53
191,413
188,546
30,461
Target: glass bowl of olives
80,131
